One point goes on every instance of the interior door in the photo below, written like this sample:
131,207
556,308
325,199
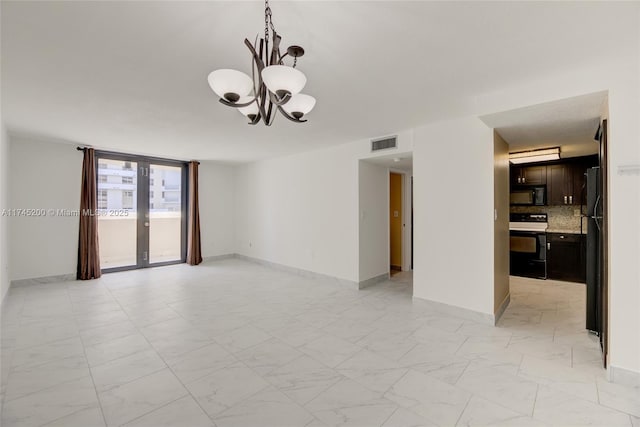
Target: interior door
143,204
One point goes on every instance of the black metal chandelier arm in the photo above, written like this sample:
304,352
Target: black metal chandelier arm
235,104
279,101
256,57
255,120
271,115
260,90
293,119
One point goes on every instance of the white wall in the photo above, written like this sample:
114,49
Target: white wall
4,220
301,211
217,195
453,205
373,210
43,175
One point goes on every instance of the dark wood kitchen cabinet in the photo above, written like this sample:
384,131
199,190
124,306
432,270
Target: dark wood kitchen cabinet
566,181
560,184
566,255
528,175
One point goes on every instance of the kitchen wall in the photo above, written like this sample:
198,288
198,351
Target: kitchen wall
501,223
562,219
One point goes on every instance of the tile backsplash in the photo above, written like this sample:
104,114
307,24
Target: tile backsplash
561,218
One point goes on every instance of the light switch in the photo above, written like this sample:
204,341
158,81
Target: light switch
395,214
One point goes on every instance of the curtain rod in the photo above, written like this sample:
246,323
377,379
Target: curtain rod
79,148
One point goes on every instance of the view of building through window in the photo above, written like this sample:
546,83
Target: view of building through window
117,193
117,186
165,213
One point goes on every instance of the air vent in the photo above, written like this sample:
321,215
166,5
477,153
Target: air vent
384,143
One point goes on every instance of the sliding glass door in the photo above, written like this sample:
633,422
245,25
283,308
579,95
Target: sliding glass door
142,211
166,207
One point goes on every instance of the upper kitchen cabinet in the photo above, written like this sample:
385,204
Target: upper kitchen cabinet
566,181
560,184
528,175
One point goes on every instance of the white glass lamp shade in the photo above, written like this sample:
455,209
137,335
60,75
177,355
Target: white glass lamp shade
250,110
230,84
299,105
281,79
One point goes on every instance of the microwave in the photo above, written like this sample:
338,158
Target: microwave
529,195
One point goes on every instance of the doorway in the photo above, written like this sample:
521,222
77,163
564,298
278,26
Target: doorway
572,212
396,225
142,211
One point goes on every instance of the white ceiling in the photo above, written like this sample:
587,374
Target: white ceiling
133,75
570,124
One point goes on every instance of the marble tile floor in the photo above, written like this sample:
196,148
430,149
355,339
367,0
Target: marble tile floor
233,343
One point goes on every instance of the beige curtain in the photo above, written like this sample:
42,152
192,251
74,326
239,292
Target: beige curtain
88,249
194,253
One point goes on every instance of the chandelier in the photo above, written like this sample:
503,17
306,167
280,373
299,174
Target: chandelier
274,86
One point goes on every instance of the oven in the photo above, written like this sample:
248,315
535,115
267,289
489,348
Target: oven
528,245
528,254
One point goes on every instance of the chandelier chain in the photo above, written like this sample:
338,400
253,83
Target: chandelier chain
268,22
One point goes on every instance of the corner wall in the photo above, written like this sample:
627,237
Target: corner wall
453,204
4,204
44,175
373,208
217,219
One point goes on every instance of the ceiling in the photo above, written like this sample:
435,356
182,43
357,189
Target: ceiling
568,123
132,76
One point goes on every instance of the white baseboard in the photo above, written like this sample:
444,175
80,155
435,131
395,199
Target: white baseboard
218,257
501,309
72,276
623,376
43,280
372,281
299,271
452,310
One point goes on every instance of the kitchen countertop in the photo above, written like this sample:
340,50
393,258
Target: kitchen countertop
565,231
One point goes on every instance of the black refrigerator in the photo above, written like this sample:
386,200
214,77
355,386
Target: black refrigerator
594,256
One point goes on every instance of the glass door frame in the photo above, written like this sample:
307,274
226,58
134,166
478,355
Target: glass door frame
144,164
